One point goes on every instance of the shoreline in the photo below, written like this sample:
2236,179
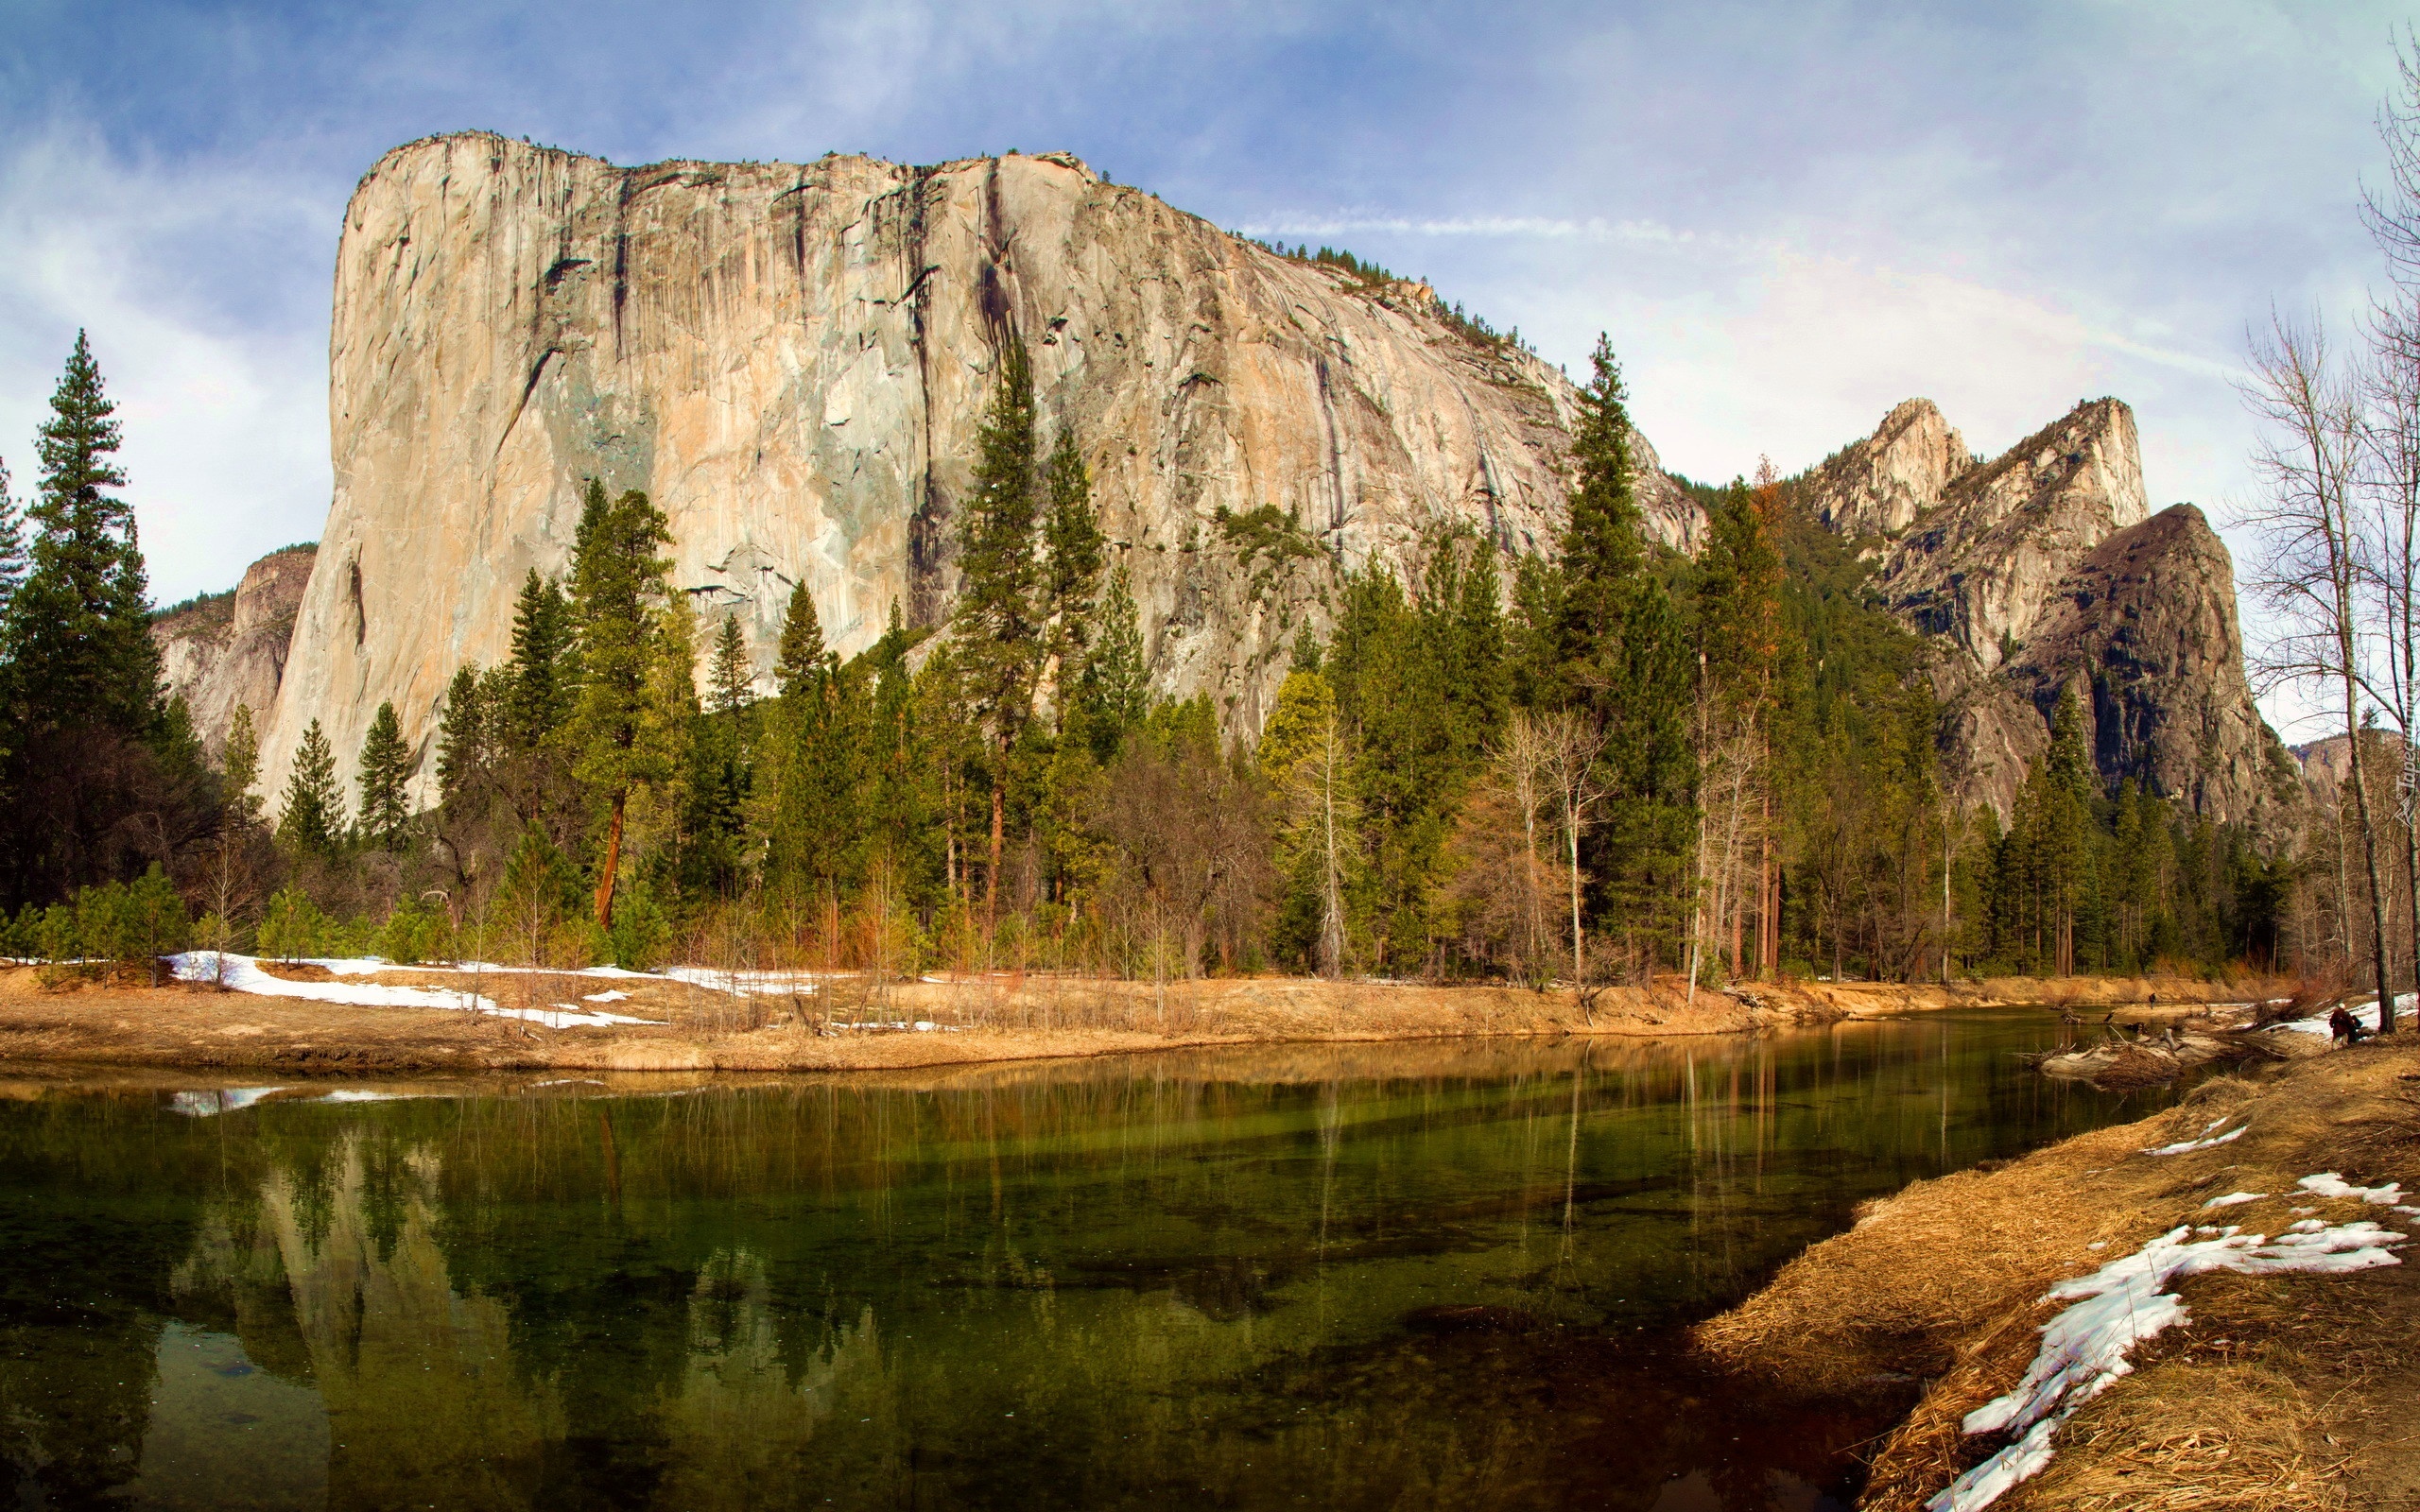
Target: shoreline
933,1023
2283,1388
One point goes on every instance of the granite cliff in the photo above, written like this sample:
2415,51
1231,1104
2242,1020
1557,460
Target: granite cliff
231,649
2044,570
793,360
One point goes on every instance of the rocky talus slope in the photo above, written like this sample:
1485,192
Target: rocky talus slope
2044,570
793,360
225,652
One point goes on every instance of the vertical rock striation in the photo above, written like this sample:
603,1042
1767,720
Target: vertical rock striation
793,360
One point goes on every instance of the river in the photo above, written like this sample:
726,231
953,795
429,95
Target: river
1367,1276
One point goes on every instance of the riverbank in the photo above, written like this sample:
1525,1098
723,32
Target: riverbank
707,1021
2279,1390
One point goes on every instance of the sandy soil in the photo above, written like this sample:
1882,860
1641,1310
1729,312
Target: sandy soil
2283,1391
845,1023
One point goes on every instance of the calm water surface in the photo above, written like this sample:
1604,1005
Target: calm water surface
1335,1277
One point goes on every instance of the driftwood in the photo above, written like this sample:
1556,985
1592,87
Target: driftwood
2118,1063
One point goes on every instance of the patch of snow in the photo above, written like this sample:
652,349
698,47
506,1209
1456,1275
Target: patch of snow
2328,1184
2097,1243
243,973
744,984
609,995
224,1100
2232,1198
2366,1016
2188,1146
2123,1303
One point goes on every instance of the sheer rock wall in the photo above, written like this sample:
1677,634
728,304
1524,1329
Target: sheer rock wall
793,360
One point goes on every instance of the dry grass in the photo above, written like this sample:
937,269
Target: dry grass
2283,1392
2181,1438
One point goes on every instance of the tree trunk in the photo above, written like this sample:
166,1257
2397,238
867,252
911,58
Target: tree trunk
2369,849
1000,820
613,860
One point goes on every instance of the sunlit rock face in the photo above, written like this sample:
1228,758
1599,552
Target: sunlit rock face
2143,631
2043,569
1878,485
793,360
226,653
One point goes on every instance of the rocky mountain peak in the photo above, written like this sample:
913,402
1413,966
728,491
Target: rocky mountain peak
1879,485
1977,565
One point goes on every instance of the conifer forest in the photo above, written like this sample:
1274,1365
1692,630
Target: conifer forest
1584,768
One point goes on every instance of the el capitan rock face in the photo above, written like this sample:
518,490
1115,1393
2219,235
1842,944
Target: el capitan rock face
793,360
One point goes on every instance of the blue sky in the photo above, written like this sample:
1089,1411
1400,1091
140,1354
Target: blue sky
1789,217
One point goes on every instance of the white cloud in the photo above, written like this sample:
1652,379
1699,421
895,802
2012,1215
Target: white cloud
224,414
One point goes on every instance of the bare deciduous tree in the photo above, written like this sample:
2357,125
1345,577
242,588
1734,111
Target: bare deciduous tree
2307,569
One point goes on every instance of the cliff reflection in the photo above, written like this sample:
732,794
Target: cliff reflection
1361,1276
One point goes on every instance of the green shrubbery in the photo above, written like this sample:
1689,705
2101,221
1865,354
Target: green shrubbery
116,922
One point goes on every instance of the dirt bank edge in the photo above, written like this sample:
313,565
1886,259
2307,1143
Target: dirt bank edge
2283,1391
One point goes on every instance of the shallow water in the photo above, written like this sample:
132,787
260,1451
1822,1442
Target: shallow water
1339,1277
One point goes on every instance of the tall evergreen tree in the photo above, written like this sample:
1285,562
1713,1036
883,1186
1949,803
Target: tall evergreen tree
385,766
618,730
1601,553
731,680
12,546
314,817
242,760
1072,543
1115,691
801,657
1001,601
544,681
79,625
465,733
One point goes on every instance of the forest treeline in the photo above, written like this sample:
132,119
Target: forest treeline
1583,770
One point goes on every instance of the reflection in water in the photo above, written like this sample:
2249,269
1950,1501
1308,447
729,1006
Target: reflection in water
1371,1275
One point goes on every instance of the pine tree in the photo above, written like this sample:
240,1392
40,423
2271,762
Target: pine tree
385,766
1600,547
1115,691
801,657
997,630
464,735
545,683
1072,540
314,816
79,630
731,679
617,728
12,546
242,761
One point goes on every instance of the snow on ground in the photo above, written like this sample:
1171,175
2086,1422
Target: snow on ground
2328,1184
2232,1198
2205,1142
243,973
744,984
2366,1016
609,995
2123,1303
